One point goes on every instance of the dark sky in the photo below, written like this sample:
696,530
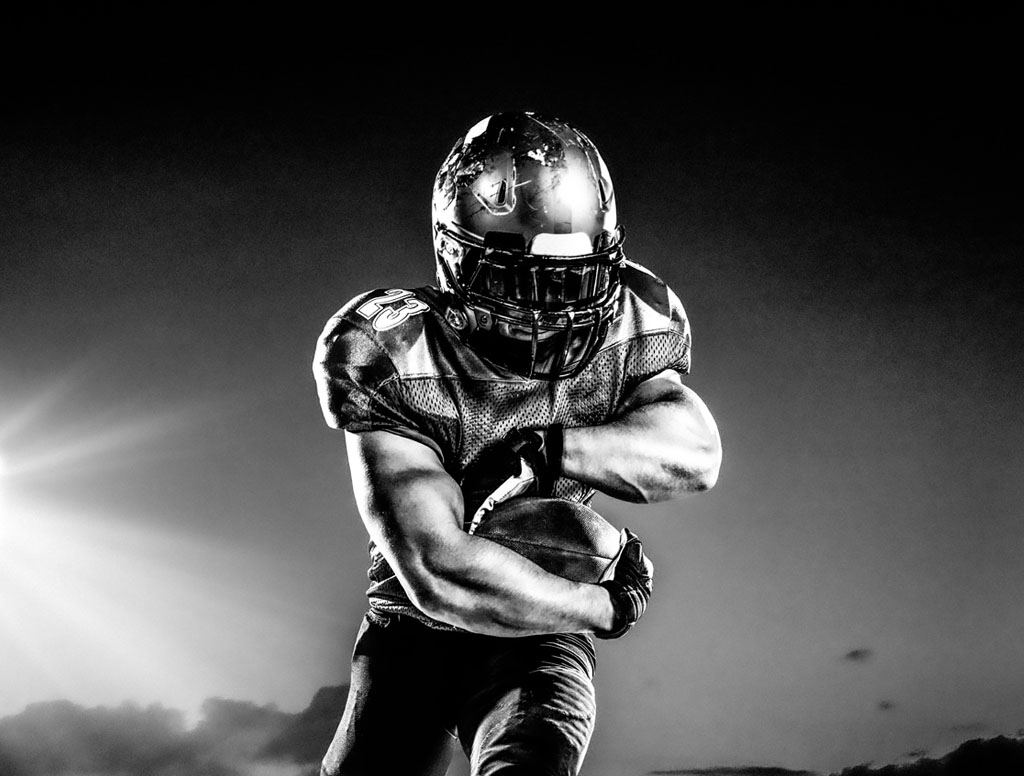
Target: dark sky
836,205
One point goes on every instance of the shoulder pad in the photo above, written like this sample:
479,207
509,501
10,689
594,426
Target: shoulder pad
382,329
363,352
656,306
649,312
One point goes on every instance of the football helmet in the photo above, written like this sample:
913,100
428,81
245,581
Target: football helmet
527,243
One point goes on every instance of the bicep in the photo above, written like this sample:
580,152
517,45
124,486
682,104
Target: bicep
666,385
410,505
685,411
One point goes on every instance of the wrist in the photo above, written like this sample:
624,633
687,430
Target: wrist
617,624
604,619
545,447
554,447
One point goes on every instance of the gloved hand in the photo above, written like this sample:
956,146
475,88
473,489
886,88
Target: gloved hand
503,459
630,587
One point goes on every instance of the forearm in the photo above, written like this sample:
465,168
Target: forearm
486,588
463,580
666,447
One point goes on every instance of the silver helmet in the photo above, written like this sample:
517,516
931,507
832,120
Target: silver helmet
527,243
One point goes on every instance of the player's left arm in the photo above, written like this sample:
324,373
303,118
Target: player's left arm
663,444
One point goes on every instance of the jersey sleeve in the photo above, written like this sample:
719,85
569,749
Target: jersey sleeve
357,383
678,334
653,325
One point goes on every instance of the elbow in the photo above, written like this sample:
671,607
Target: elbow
703,481
429,591
685,476
426,592
445,588
437,599
433,602
705,458
706,476
429,576
690,460
446,602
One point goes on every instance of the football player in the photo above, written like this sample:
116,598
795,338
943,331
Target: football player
543,344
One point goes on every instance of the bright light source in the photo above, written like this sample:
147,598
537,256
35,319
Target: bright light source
3,471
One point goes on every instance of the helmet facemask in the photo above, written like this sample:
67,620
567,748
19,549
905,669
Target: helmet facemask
540,316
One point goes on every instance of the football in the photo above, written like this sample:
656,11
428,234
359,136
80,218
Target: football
563,537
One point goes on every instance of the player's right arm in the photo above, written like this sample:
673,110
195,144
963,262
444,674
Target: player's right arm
413,511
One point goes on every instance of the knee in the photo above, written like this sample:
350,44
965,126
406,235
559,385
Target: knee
533,745
526,769
331,768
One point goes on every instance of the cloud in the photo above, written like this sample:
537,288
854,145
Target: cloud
233,738
238,738
236,731
999,756
60,736
306,737
748,770
861,655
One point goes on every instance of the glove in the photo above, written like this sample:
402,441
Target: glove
504,459
630,587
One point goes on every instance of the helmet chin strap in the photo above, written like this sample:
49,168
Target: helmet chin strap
534,340
568,339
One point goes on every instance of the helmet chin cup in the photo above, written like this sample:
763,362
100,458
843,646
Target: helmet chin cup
456,318
529,343
527,243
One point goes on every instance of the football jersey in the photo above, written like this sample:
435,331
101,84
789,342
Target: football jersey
389,360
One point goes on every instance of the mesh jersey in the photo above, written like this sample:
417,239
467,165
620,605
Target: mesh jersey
389,360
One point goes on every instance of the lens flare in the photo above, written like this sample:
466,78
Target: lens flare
110,592
3,477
